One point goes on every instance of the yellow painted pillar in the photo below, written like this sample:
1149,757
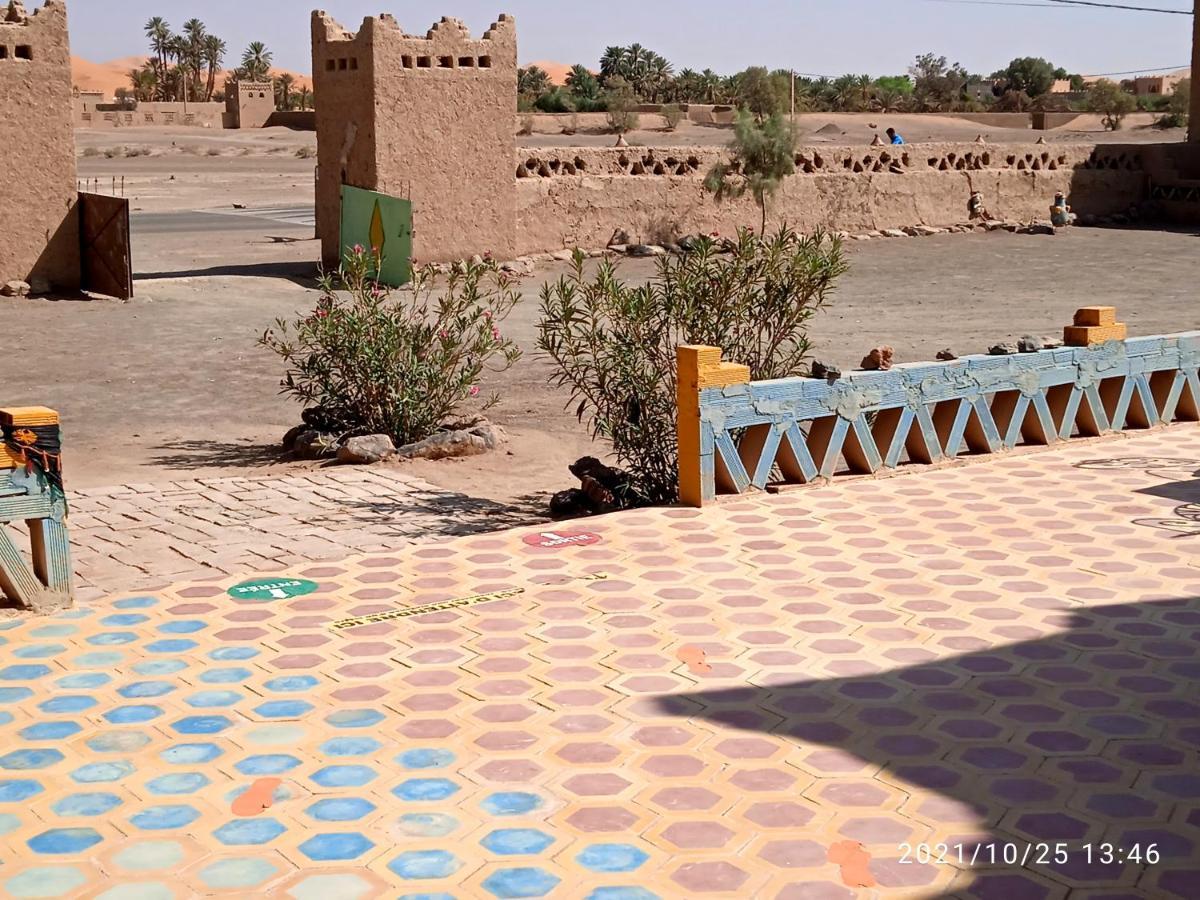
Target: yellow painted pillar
698,367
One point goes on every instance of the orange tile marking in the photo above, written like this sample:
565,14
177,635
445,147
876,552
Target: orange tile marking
258,797
696,659
855,863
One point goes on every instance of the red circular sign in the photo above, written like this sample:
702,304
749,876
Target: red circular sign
552,539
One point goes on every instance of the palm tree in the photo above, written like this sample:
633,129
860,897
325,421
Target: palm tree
612,63
305,96
533,81
256,61
159,33
194,34
214,55
144,82
283,91
582,83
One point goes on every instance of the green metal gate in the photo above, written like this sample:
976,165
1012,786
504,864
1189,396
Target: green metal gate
384,225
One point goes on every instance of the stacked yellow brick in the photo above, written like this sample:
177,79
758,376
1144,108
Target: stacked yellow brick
1095,325
699,367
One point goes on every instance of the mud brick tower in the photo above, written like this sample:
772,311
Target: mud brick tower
38,220
248,104
427,118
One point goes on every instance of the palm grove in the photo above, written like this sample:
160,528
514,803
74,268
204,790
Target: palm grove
184,66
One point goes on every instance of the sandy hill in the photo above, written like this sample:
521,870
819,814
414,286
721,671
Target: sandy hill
108,76
556,70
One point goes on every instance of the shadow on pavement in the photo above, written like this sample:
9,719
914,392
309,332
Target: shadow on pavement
1086,736
302,273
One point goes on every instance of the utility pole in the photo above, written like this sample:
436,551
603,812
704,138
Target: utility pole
792,81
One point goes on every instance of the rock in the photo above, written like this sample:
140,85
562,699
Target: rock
946,355
876,142
366,449
894,233
313,444
619,249
39,286
880,359
928,230
235,206
689,243
1005,348
1087,220
621,142
1051,343
979,139
493,435
563,255
645,250
15,289
1119,219
860,237
522,265
911,231
1041,140
1010,227
445,444
1029,344
825,370
1038,228
620,236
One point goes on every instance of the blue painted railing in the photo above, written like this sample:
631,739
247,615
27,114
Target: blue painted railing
800,430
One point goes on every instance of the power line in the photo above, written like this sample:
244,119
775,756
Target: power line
1157,9
1140,71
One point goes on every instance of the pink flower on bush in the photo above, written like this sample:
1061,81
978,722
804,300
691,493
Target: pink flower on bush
495,333
358,248
715,234
443,334
474,392
487,254
487,313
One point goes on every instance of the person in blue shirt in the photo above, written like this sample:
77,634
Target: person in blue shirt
893,137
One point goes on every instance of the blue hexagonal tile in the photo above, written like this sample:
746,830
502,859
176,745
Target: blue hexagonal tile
112,638
15,694
46,881
14,790
425,758
350,746
267,764
126,740
330,847
340,809
68,703
344,776
164,818
612,857
24,672
183,626
103,772
354,718
64,841
39,758
50,731
291,684
233,654
170,645
52,631
417,864
98,803
133,715
283,709
155,667
178,783
83,681
207,699
135,603
622,893
234,675
511,803
245,832
191,754
124,620
417,789
237,874
516,841
201,725
145,690
520,882
97,660
39,651
427,824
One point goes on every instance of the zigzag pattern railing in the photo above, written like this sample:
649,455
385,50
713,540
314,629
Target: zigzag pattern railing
736,435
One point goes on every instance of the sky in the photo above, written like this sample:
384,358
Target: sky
875,37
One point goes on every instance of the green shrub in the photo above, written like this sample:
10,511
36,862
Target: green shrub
621,106
674,114
613,343
555,101
375,363
1111,101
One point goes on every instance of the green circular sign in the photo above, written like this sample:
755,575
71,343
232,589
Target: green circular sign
264,590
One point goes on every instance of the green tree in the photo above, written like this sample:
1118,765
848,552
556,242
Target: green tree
620,102
533,82
1110,100
1030,74
763,155
256,61
937,85
161,38
1179,106
582,84
194,37
283,91
761,93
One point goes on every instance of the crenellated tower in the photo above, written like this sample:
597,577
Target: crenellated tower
429,119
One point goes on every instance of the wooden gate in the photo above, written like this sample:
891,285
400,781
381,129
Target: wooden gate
104,244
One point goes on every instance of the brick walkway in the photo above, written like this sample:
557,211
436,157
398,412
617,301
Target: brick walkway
1002,656
143,536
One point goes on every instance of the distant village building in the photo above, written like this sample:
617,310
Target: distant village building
981,91
1157,85
248,104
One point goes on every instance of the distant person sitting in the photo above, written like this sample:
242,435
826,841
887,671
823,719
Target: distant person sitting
893,137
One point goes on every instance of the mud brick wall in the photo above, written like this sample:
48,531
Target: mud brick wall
39,228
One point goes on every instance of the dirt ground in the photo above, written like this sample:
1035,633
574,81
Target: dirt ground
172,385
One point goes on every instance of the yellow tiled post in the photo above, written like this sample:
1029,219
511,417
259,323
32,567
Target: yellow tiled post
1094,325
698,367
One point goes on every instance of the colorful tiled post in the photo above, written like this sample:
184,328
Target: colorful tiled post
1094,325
31,492
699,367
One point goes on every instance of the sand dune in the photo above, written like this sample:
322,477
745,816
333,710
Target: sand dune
108,76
